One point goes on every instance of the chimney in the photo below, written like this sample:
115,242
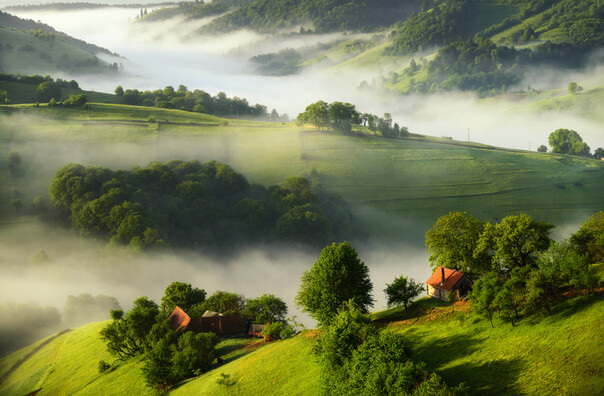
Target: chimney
442,271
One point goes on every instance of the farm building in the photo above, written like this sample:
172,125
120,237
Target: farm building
210,322
445,280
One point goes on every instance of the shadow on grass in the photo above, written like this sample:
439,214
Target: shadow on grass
496,377
572,306
440,351
229,353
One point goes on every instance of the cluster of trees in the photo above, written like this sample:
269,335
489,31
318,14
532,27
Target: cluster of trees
325,15
358,359
194,205
198,101
342,116
37,79
517,266
172,356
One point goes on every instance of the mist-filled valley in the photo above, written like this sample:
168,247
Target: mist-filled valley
227,145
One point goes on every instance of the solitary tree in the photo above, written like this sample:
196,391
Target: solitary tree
335,278
542,149
119,91
568,141
599,153
14,163
402,290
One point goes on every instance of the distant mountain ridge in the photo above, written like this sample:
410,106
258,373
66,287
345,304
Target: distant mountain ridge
11,21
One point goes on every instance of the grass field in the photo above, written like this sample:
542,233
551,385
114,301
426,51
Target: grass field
417,179
558,354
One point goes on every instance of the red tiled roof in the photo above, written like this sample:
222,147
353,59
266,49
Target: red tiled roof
451,278
179,320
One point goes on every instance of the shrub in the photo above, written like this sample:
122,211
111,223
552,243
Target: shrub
272,331
103,366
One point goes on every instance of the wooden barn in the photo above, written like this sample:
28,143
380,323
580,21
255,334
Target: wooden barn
445,280
221,325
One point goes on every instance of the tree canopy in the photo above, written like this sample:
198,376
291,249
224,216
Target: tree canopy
336,277
568,141
402,290
189,204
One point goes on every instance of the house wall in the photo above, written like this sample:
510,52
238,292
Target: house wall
437,293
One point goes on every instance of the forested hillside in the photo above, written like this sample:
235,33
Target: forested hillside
322,16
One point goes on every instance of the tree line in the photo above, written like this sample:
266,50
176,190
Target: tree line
517,267
173,355
342,116
198,101
189,204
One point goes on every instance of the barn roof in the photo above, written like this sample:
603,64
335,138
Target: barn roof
451,277
179,320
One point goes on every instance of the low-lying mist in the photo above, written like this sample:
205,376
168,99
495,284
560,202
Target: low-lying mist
166,53
42,265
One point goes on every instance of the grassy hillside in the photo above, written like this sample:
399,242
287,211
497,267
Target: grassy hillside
415,180
558,353
34,53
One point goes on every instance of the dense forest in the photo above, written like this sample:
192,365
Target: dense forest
194,205
576,22
324,15
482,66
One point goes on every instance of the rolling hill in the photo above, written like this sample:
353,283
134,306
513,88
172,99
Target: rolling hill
29,47
558,352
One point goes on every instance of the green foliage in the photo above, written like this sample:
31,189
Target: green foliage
283,62
360,360
341,116
514,242
225,380
589,239
542,149
190,204
157,369
265,309
103,366
183,295
452,241
335,278
127,337
272,331
196,101
402,290
325,15
574,88
226,303
440,25
483,295
194,354
76,100
568,141
48,90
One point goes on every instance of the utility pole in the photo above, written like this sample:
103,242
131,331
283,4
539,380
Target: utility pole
468,134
